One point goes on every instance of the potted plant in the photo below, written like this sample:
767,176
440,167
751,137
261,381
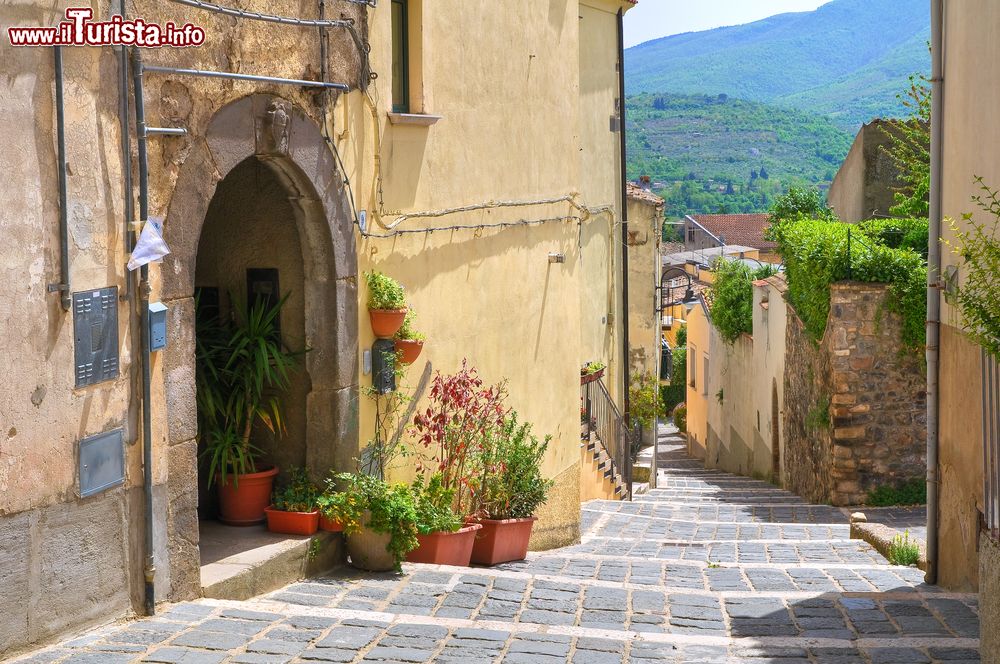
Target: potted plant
511,488
408,341
242,369
591,371
294,508
379,520
332,504
386,304
443,537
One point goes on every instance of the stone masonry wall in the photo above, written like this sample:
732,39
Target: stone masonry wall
854,406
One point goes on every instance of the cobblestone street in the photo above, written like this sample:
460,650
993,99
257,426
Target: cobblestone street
710,567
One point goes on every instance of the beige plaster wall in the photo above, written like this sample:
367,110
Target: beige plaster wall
971,133
699,344
645,221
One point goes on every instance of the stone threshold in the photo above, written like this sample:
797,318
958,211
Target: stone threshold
241,563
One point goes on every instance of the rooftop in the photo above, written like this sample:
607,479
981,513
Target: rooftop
745,229
706,256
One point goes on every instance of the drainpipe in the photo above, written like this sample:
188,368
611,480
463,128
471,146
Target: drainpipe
63,285
934,283
626,411
149,569
129,211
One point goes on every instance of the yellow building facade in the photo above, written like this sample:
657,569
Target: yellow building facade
491,190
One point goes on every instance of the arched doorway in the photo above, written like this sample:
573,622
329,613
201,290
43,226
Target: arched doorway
249,251
272,149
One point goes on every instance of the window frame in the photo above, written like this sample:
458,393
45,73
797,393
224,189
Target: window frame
402,105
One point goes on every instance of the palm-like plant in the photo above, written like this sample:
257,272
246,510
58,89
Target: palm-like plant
242,370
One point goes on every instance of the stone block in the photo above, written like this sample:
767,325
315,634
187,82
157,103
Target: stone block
843,399
80,571
179,370
15,536
849,433
842,452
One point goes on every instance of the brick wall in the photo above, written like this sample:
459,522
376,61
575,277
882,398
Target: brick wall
855,413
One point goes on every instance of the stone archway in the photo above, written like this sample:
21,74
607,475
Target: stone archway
283,138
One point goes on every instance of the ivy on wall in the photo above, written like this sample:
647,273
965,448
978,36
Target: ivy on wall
732,296
819,253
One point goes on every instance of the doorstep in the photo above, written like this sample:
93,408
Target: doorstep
240,563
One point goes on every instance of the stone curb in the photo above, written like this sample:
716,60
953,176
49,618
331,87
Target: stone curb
880,537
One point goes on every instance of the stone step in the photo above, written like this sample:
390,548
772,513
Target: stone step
240,563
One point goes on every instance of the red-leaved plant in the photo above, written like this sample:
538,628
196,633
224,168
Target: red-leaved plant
462,414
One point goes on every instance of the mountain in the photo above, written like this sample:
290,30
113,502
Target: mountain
847,59
719,154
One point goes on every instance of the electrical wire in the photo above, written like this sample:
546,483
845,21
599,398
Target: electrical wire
477,227
272,18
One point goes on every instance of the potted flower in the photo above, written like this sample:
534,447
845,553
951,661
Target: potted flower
386,304
293,510
591,372
408,341
443,536
452,430
511,488
242,369
332,504
379,520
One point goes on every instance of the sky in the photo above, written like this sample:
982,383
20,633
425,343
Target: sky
651,19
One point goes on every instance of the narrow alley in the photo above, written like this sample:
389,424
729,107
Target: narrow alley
710,567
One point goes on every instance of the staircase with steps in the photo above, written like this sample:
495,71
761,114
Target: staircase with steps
605,439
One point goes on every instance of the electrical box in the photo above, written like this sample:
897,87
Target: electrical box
95,336
157,326
384,366
102,462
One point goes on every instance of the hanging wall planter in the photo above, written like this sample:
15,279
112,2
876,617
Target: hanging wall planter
386,304
386,322
408,350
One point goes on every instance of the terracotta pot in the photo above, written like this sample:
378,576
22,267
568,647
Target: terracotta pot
386,322
292,523
444,548
242,499
329,525
409,349
368,549
502,541
590,378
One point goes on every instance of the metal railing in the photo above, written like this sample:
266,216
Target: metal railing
603,421
991,444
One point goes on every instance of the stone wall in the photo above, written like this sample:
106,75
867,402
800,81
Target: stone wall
854,405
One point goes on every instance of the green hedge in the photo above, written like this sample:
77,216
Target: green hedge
898,233
816,255
671,395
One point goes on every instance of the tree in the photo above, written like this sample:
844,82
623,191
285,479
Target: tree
763,173
660,104
800,203
910,151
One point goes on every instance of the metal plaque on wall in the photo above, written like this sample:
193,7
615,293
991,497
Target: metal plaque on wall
102,462
95,331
